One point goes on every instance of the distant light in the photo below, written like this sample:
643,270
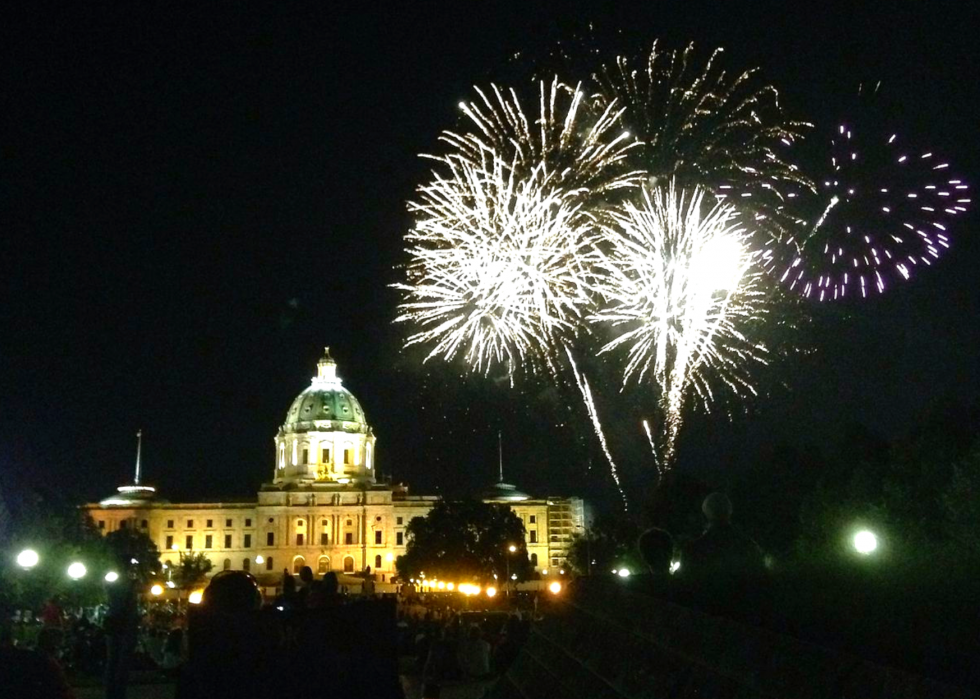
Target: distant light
390,557
111,576
675,566
544,572
554,588
77,570
491,591
196,596
561,572
259,560
156,590
865,542
28,558
450,586
623,573
513,576
134,561
441,585
175,547
512,548
615,571
171,584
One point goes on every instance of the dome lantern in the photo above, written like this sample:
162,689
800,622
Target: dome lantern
327,369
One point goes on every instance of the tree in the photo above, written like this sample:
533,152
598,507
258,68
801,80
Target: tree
193,568
128,545
610,543
465,540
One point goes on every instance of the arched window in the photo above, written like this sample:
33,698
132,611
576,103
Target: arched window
348,564
227,564
367,456
295,452
534,560
246,564
282,455
323,565
377,562
298,564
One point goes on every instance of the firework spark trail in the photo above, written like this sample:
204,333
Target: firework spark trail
653,448
885,209
685,286
583,386
499,266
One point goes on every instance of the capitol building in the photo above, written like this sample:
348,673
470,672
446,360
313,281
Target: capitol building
324,507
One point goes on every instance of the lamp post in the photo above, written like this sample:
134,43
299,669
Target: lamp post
510,549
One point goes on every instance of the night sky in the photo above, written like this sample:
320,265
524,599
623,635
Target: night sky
195,199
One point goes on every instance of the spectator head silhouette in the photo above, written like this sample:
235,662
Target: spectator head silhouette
331,584
717,508
656,548
232,591
306,575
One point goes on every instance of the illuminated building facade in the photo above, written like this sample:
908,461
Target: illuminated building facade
324,506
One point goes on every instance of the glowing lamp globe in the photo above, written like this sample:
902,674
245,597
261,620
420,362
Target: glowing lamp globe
865,542
112,576
623,573
491,591
77,571
554,588
259,560
156,590
196,596
28,558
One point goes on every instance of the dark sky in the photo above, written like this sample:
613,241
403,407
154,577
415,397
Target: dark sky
195,198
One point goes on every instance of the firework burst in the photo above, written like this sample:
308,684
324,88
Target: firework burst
883,210
683,286
500,265
565,143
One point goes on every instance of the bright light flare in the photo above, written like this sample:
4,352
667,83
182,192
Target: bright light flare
491,591
156,590
865,542
196,597
28,558
554,587
112,576
77,570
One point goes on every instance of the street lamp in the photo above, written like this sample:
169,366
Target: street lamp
27,559
259,560
865,542
112,576
77,571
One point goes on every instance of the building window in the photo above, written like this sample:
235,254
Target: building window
298,564
534,560
246,564
400,520
144,524
400,538
554,562
247,543
268,563
347,456
348,564
226,565
101,524
377,537
348,538
326,456
299,539
209,524
170,524
322,565
348,523
534,536
170,542
534,519
248,522
324,539
306,456
207,541
377,562
270,539
227,541
190,524
227,522
189,542
122,524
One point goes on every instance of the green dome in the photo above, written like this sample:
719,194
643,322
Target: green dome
321,403
326,404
